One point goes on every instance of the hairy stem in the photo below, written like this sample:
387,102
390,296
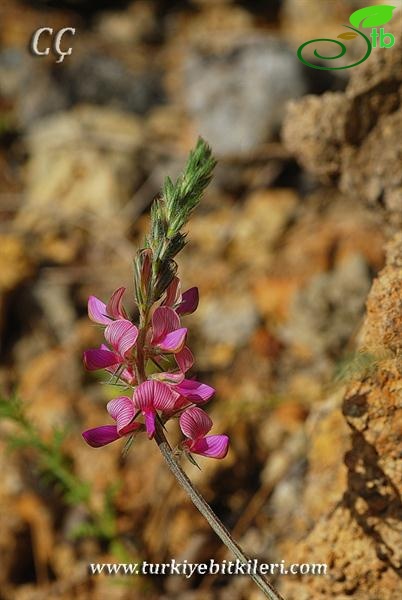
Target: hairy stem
204,508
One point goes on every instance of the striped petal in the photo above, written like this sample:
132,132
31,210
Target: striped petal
194,391
100,358
154,394
195,423
174,341
189,302
122,411
150,422
114,307
184,359
164,398
121,335
97,311
144,395
172,292
164,320
212,446
100,436
144,400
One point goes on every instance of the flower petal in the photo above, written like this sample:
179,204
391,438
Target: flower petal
172,293
97,311
213,446
114,307
144,395
122,411
195,391
195,423
164,320
153,395
144,400
128,375
100,436
172,378
100,358
164,398
184,359
189,303
121,335
173,341
150,422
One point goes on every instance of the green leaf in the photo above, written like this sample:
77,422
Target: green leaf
349,35
372,16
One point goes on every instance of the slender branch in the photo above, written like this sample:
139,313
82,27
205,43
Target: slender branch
204,508
154,269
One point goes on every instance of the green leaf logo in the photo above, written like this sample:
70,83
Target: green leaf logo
372,16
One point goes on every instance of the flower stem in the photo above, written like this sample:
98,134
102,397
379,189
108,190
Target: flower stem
204,508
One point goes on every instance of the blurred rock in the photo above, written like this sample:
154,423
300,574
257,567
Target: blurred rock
130,26
101,79
15,264
319,135
359,535
93,157
259,226
327,310
237,98
229,320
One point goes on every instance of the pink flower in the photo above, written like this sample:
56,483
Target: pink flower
163,394
102,313
191,391
122,411
189,302
184,359
187,391
151,396
195,424
183,304
167,335
122,336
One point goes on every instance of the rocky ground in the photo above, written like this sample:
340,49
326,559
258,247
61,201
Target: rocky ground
296,250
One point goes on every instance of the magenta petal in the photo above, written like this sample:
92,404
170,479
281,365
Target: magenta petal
150,423
164,398
114,307
164,320
189,303
128,375
100,436
144,395
184,359
121,335
213,446
99,358
97,311
153,394
172,292
195,423
195,391
122,411
173,341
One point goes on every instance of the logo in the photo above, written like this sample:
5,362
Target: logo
56,41
368,17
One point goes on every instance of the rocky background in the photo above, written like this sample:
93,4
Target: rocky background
296,250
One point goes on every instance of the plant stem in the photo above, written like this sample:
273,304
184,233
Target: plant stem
204,508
